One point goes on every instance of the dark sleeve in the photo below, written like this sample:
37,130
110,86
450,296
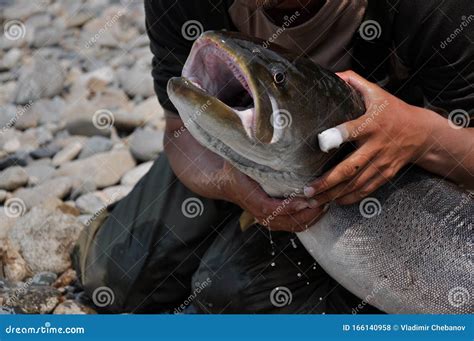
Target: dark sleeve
172,26
439,51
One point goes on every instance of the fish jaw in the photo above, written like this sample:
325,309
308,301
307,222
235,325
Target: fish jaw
226,70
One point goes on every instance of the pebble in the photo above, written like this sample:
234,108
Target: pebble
94,145
44,278
13,177
134,175
66,154
45,152
70,307
136,81
44,238
104,169
90,203
58,187
146,144
38,173
45,79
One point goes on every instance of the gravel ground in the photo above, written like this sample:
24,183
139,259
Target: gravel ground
79,126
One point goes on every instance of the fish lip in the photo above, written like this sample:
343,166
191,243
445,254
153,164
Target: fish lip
220,46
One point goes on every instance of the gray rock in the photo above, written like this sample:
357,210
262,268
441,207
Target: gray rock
136,81
58,187
45,152
82,187
115,193
3,195
90,203
6,222
94,145
44,278
31,299
134,175
80,120
39,173
13,160
45,79
105,169
8,117
11,58
11,146
71,307
44,239
13,177
146,144
66,154
46,36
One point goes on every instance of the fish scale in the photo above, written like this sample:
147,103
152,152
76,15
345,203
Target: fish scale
419,259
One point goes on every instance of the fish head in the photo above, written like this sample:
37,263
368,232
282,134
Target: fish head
261,108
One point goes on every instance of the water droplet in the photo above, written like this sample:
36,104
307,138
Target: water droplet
272,264
320,298
293,243
307,283
273,253
299,263
298,274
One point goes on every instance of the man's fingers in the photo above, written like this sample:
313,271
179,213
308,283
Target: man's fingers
293,223
357,82
372,185
344,171
353,185
348,131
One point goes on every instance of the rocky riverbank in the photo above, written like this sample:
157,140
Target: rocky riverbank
79,126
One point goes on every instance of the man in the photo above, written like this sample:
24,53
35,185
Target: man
149,246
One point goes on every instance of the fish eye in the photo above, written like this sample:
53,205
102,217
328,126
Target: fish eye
279,77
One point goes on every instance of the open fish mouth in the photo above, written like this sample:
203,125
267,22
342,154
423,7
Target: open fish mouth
216,72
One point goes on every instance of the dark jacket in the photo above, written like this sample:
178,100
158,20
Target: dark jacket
423,54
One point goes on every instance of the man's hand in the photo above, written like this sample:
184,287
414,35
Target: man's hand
389,135
292,214
209,175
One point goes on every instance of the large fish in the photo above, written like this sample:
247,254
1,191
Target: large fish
407,249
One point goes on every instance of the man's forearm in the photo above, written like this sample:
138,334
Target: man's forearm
195,166
449,152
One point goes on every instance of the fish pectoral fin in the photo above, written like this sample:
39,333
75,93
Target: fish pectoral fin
246,220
